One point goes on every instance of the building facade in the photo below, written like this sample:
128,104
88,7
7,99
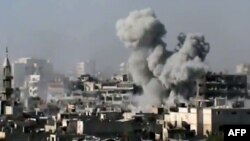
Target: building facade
225,85
23,67
85,67
205,119
244,69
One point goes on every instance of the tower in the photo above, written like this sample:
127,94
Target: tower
7,77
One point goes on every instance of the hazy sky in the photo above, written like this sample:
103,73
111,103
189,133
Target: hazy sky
66,31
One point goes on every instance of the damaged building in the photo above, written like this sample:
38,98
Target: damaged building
225,85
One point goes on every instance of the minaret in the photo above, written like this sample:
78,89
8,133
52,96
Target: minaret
7,77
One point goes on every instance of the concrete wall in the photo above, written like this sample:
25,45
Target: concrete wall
229,116
208,119
184,114
49,128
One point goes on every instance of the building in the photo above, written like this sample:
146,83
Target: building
89,83
33,85
23,67
123,77
36,85
244,69
229,85
56,89
116,92
86,67
205,119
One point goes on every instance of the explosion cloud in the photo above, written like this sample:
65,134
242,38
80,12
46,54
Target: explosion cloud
161,73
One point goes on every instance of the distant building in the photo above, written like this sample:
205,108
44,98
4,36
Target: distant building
23,67
117,92
33,85
244,69
86,67
226,85
123,77
56,89
36,85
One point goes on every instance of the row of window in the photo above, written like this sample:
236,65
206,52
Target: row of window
233,112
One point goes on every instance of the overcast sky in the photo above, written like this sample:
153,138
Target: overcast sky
67,31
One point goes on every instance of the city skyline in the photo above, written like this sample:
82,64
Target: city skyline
124,70
39,29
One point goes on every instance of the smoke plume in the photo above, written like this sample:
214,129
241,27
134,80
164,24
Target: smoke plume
161,73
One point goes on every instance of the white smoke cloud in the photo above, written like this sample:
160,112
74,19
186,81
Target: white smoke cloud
140,29
151,96
161,73
138,67
157,59
174,98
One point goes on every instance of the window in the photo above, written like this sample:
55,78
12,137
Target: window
234,113
53,139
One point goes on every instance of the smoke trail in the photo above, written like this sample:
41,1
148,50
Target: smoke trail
161,73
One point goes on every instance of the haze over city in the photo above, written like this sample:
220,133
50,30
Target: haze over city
124,70
69,31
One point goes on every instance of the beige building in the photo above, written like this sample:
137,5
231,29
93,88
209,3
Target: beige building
207,119
245,70
85,67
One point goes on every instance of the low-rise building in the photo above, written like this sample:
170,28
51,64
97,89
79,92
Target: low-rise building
225,85
204,120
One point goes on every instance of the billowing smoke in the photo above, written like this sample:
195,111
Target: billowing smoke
141,29
185,65
161,73
138,67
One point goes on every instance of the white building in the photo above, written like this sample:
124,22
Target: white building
206,119
35,85
116,98
86,67
56,90
23,67
244,69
